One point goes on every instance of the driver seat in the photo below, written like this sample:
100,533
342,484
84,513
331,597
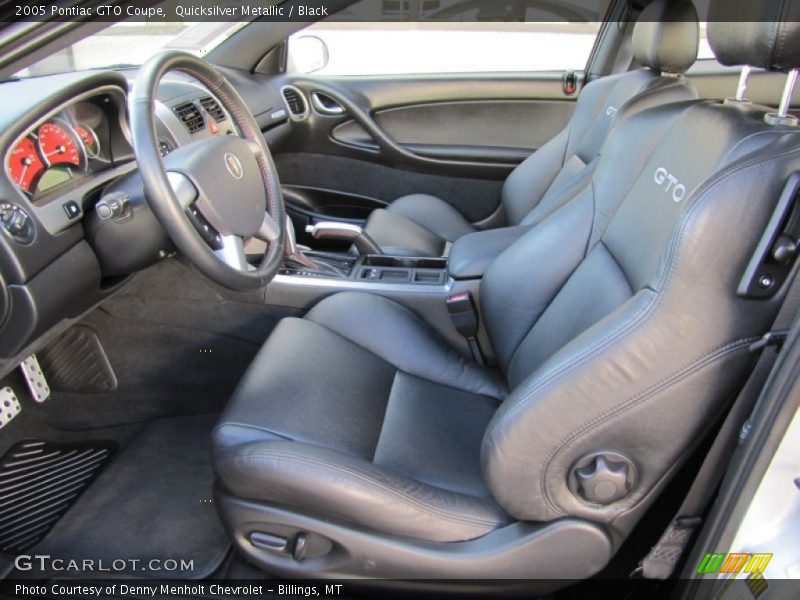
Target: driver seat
362,444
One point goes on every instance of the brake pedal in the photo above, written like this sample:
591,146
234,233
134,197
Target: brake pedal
34,377
9,406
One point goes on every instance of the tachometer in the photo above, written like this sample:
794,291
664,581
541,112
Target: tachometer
25,164
89,139
58,145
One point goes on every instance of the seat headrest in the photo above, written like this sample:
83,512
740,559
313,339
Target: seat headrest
758,33
667,35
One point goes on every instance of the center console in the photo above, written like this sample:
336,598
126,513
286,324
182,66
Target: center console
421,284
374,268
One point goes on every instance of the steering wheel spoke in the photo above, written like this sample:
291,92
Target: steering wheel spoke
269,231
254,148
210,194
232,253
184,189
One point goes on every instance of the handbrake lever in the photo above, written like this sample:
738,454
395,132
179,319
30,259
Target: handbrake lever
334,230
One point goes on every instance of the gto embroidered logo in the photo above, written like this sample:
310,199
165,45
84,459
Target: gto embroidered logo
611,111
670,184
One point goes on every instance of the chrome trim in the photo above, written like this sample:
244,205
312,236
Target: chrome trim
349,284
783,117
183,188
232,253
326,110
334,229
788,90
744,76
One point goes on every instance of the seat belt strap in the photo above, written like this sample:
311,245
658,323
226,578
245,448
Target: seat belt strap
662,560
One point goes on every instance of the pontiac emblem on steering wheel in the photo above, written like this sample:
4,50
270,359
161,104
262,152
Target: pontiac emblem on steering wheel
234,165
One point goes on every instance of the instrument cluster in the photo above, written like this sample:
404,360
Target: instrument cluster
75,142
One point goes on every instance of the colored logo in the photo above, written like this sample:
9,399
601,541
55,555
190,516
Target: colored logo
733,563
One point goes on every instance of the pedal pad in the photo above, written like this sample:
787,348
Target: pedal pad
35,379
9,406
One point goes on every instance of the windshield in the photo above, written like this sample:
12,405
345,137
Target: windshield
131,44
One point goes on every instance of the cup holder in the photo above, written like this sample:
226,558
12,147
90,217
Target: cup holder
402,262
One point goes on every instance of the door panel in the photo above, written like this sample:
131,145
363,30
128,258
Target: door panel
498,130
330,178
453,136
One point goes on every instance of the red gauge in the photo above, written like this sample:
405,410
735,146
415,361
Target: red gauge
57,145
25,165
89,139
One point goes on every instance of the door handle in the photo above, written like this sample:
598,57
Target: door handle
326,105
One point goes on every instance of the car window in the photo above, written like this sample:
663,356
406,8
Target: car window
398,37
705,52
418,48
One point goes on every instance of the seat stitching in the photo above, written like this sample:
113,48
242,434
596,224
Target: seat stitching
462,362
593,233
641,315
383,420
249,426
632,401
701,195
677,237
365,477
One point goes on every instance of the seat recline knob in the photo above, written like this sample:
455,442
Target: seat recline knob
603,478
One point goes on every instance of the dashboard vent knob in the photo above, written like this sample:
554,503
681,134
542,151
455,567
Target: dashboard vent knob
190,116
295,102
212,107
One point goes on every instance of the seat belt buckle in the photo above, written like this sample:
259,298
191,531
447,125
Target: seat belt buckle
774,339
464,315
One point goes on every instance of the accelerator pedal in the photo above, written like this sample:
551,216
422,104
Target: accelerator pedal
34,377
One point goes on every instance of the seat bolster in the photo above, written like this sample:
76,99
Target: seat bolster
333,484
404,341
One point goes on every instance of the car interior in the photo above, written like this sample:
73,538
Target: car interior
399,327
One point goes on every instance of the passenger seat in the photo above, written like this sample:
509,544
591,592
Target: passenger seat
665,42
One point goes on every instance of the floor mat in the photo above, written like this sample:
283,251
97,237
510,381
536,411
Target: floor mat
39,481
151,506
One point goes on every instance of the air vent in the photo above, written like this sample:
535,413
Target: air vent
213,108
295,102
191,117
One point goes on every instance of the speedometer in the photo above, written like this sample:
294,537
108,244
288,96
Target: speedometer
25,165
58,145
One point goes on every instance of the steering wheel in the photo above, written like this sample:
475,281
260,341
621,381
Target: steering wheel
210,195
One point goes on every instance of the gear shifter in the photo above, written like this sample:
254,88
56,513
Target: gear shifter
295,258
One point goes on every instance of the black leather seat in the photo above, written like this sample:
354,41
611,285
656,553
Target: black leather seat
665,42
361,444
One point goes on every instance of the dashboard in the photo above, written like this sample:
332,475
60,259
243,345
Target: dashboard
65,143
